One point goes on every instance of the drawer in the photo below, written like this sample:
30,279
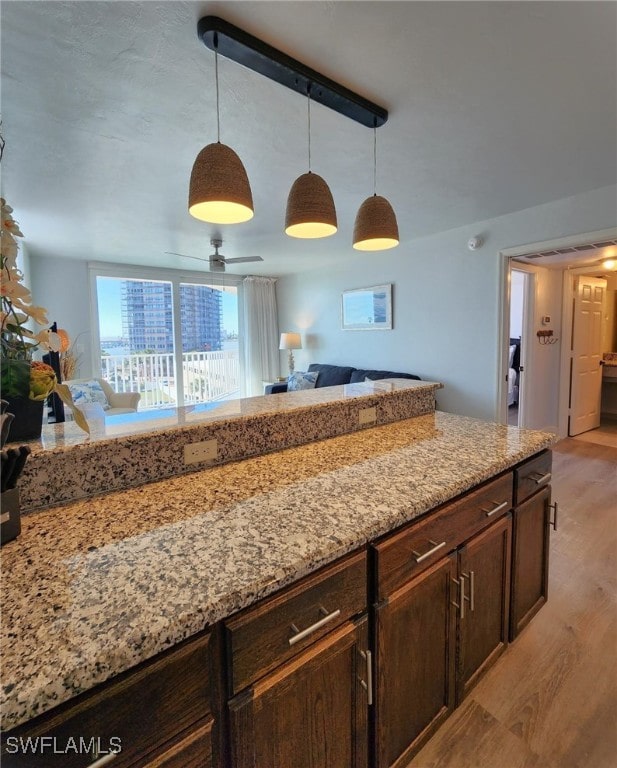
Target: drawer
532,475
193,751
422,543
139,712
264,636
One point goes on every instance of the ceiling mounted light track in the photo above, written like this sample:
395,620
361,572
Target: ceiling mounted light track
238,45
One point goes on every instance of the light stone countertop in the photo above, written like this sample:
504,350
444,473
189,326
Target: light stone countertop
92,588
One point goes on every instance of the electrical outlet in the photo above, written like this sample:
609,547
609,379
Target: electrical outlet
367,415
194,453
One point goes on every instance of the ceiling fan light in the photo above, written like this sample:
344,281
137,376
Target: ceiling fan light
219,191
310,208
375,228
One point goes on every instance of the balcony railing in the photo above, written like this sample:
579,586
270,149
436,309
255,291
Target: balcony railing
206,376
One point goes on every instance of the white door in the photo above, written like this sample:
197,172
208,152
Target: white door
586,377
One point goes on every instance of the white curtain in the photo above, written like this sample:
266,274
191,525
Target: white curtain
261,338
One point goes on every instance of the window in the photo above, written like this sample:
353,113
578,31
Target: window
175,341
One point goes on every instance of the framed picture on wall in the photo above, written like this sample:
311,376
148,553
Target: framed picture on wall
367,309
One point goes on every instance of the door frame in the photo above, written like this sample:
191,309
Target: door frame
505,255
525,360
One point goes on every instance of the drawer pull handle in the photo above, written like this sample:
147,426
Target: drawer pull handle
498,508
553,522
541,479
460,583
435,547
105,760
472,589
368,685
301,634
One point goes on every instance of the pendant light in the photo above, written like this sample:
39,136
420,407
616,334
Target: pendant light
219,191
310,207
375,228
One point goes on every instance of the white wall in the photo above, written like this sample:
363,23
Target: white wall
61,286
446,301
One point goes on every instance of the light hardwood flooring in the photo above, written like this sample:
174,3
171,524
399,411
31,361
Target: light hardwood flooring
551,699
605,434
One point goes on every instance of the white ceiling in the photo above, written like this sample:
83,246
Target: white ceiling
494,107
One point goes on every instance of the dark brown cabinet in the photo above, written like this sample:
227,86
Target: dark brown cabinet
161,715
437,632
415,662
484,577
530,559
305,678
299,673
312,712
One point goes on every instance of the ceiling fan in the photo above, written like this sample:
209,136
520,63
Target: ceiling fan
215,260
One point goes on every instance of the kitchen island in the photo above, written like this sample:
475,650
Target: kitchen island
95,587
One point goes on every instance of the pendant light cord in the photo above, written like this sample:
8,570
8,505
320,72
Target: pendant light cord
308,94
216,77
374,160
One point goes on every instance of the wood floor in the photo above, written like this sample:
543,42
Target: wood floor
551,699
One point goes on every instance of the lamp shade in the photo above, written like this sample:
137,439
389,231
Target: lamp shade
310,208
219,190
375,228
290,341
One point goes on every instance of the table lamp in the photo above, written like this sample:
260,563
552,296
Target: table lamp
290,341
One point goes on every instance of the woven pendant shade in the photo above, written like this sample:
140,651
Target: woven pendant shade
375,228
219,191
310,208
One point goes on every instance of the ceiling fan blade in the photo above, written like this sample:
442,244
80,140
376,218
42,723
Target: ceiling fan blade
242,258
184,256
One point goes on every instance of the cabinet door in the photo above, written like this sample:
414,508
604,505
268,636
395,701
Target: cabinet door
415,648
312,712
530,565
484,570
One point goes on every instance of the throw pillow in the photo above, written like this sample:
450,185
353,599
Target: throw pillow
300,380
88,392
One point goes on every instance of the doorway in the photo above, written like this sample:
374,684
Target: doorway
548,315
520,301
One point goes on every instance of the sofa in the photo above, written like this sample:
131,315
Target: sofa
332,375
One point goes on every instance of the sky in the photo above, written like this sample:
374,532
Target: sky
110,308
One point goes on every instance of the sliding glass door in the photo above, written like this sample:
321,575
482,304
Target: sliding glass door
175,342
